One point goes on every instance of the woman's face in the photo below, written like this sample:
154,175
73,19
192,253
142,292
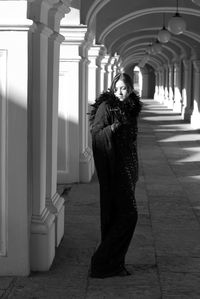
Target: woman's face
120,90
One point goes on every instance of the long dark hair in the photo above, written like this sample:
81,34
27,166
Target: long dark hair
125,78
132,104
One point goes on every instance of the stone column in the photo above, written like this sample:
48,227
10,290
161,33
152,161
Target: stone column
156,93
186,93
116,66
161,84
55,202
100,72
47,207
104,72
93,55
90,53
43,221
171,86
109,70
195,117
177,87
74,154
166,85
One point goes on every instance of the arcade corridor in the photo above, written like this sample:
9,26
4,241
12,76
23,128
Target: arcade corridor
164,256
56,57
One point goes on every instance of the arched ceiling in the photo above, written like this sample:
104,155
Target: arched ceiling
128,27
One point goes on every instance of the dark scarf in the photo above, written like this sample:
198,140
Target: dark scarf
128,108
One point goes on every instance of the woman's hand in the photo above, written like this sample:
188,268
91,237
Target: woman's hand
115,126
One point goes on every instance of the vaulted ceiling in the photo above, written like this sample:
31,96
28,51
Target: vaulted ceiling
128,27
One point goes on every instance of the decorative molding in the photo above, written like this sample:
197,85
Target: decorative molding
74,34
42,241
3,153
93,55
41,29
86,165
58,38
48,12
56,206
40,223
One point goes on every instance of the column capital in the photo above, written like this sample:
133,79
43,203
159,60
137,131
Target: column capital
196,64
93,55
94,51
74,40
110,63
101,56
74,34
105,60
48,12
41,29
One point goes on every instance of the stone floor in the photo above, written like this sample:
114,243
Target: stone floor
164,255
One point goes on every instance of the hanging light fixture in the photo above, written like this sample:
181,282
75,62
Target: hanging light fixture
197,2
164,35
177,24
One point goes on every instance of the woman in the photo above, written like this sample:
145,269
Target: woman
114,132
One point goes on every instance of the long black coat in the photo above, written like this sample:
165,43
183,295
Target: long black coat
115,156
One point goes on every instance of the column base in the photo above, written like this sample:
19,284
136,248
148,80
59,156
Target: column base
86,165
186,114
42,241
195,117
57,208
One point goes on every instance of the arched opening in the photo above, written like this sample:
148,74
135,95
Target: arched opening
137,80
148,82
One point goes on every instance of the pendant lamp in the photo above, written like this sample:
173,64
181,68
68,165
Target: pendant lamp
177,24
164,35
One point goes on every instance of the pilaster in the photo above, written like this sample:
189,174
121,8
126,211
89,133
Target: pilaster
93,55
156,93
75,160
177,87
109,70
100,71
42,219
86,156
196,100
47,221
104,72
171,86
166,84
54,202
161,84
186,93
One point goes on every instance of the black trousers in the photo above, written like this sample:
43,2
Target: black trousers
118,221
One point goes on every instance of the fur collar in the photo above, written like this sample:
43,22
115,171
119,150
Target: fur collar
130,106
